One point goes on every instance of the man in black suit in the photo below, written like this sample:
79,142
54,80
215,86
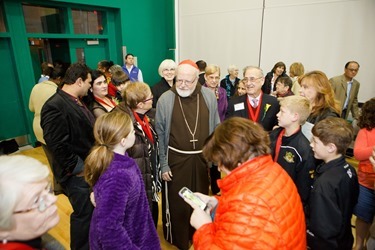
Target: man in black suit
255,105
68,131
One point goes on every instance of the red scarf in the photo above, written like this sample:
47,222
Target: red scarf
15,246
101,101
254,116
112,90
145,126
278,144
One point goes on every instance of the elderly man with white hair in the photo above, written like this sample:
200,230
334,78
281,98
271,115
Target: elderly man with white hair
185,116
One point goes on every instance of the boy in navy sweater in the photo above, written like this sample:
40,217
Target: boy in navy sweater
335,189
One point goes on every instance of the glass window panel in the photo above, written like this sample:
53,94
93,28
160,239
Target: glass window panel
2,22
80,53
40,19
87,22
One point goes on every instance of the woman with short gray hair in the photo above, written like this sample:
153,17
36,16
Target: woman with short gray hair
27,205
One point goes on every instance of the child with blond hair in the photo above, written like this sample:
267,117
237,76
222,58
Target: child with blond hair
290,148
121,218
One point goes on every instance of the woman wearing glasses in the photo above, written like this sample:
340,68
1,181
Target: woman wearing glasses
27,205
212,78
167,71
138,105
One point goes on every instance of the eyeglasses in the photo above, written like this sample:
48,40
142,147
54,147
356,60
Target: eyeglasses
40,202
180,81
250,79
148,99
213,78
169,69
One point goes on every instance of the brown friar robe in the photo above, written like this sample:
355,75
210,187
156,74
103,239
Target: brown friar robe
189,170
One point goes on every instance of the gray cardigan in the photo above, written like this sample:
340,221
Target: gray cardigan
163,119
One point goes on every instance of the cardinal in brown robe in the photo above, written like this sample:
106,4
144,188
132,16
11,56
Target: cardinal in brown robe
185,116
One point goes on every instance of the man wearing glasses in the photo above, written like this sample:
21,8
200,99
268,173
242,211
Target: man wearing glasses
255,105
346,90
185,116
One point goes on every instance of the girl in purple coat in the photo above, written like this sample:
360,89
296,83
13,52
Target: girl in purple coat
121,218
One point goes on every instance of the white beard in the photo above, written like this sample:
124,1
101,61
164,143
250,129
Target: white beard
184,93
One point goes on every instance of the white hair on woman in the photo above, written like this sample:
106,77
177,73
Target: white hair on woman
15,172
166,64
232,67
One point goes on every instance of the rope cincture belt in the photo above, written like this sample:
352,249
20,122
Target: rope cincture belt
185,152
168,223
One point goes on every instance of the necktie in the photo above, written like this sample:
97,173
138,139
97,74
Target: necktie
255,102
348,88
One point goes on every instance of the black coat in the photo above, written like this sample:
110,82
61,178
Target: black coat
323,114
332,200
144,152
297,159
158,89
266,88
226,84
238,107
68,132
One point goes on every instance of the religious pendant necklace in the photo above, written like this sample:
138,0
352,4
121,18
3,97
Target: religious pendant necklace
196,120
217,93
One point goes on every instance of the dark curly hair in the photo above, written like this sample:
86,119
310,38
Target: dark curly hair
367,118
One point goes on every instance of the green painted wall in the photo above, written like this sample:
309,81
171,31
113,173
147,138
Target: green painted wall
145,27
11,124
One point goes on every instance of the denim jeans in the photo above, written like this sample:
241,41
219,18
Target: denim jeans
78,192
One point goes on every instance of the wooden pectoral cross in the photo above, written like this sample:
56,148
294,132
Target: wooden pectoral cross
193,141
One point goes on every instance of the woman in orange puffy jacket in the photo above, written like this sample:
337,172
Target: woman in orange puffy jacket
259,206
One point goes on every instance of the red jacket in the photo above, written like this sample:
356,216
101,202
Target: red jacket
259,208
363,146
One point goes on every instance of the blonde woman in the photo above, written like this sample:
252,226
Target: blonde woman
138,105
212,78
295,71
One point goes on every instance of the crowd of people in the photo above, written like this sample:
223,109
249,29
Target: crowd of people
264,152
